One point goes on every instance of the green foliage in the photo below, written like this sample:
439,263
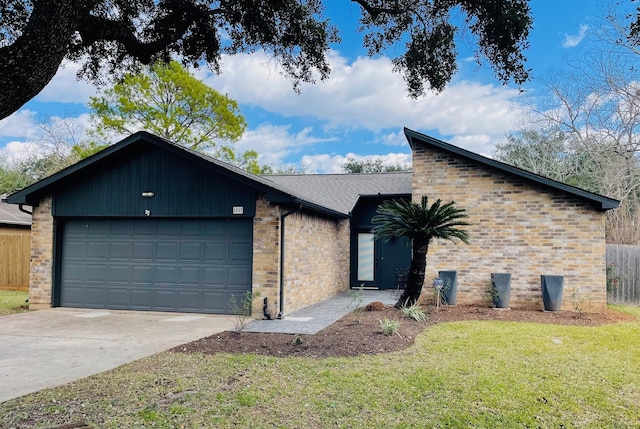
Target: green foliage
415,312
242,309
113,38
12,179
356,298
371,165
390,327
613,278
170,102
402,218
420,223
85,150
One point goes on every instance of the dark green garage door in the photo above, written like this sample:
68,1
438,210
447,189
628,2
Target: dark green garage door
155,264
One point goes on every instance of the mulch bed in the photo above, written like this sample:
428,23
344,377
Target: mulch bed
359,333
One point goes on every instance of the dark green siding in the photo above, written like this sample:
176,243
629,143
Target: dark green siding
390,256
182,188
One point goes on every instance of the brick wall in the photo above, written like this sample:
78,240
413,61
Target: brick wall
316,259
517,227
41,263
266,257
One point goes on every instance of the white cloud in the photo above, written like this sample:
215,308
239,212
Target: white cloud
326,163
366,94
273,143
573,40
66,88
19,125
16,151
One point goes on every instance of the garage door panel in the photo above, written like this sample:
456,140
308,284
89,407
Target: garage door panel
142,274
166,275
216,251
189,299
191,229
140,296
190,251
189,276
155,264
96,273
238,277
120,250
98,250
144,229
76,250
167,229
73,272
167,251
215,276
165,299
216,230
218,301
142,251
118,297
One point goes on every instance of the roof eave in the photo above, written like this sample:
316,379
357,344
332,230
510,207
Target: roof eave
601,202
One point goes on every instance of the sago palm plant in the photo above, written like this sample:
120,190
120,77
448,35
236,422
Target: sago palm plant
420,223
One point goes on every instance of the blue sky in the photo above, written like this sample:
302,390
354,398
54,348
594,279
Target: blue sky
362,108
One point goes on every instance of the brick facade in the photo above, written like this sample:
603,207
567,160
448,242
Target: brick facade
266,257
517,227
41,263
316,259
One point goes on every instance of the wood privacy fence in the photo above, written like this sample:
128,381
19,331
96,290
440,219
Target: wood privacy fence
14,262
623,274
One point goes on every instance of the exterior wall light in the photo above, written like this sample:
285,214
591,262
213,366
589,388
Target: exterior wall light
148,194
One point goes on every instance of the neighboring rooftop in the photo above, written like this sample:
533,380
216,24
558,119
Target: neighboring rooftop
10,214
340,192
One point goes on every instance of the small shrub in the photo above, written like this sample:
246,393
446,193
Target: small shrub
390,327
242,309
414,312
579,303
356,298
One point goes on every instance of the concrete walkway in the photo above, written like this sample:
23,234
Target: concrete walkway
316,317
48,348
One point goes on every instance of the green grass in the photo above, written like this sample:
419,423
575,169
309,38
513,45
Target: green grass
12,302
458,375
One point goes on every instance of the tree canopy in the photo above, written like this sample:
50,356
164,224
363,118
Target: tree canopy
113,37
371,165
168,101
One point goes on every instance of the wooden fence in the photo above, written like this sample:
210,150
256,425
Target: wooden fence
14,262
623,274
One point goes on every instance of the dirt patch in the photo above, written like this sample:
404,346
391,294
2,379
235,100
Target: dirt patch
359,333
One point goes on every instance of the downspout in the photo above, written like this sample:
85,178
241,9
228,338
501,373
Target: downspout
23,210
282,217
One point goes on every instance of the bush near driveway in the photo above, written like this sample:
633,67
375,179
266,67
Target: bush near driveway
482,374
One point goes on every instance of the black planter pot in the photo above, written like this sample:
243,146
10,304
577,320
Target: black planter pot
552,287
501,289
450,286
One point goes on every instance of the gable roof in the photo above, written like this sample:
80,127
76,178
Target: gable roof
418,140
342,191
11,215
333,195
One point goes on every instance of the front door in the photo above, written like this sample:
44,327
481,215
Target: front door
378,260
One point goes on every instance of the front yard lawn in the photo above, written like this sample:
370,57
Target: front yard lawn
481,374
13,302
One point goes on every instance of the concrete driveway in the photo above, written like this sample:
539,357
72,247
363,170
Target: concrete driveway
47,348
